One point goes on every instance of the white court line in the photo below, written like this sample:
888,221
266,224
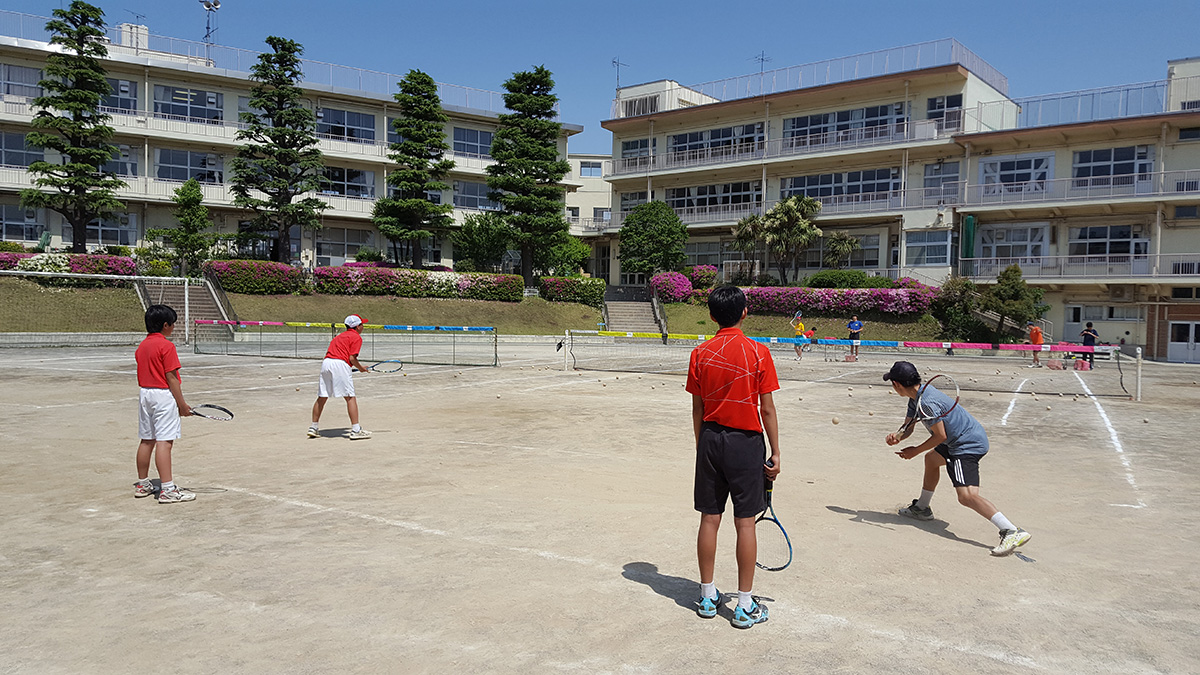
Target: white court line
837,376
1013,403
1112,435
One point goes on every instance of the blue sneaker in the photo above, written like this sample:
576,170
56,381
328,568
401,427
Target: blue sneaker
745,619
707,607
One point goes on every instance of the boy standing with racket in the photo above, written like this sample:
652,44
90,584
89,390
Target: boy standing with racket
855,327
958,440
731,379
336,379
1037,339
798,327
160,405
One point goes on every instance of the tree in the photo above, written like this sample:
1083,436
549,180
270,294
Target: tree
482,240
190,241
785,231
1012,298
954,307
563,256
79,187
527,173
839,246
406,213
652,239
279,157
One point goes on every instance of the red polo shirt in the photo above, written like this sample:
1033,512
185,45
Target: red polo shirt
346,344
155,358
730,372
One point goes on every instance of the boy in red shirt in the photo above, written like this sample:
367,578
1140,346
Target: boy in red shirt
731,379
1035,338
336,380
160,404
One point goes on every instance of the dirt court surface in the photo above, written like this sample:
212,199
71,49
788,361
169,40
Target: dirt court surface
526,519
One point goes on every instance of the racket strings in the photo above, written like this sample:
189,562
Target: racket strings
774,549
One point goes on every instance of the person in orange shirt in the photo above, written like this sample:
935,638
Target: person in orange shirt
1036,339
336,380
160,405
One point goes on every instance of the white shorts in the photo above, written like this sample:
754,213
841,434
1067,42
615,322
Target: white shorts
335,379
158,416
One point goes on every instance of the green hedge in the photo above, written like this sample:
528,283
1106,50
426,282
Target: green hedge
573,289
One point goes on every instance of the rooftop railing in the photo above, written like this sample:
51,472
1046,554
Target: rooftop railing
1085,266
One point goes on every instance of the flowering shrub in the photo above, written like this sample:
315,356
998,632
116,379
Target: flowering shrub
839,300
502,287
437,268
702,276
409,283
671,286
102,264
8,261
588,292
46,262
256,277
441,284
354,280
11,247
370,263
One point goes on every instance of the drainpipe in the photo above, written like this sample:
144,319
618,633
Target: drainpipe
1158,221
904,180
650,166
1161,159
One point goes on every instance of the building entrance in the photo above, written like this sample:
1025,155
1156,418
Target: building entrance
1183,342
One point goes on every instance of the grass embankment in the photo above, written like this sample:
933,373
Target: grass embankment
532,316
28,306
685,318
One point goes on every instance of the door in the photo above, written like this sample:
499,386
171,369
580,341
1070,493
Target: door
1072,323
1183,344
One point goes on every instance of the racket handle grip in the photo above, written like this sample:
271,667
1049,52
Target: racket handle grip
768,480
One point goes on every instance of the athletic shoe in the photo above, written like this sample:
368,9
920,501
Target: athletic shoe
1010,540
143,488
175,494
745,619
707,607
914,511
360,434
313,432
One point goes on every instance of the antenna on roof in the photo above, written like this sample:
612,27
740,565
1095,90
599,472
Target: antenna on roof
210,11
762,59
137,34
616,62
140,18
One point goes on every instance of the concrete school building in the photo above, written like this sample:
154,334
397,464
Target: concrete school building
175,106
920,153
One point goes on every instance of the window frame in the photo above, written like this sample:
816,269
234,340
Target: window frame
344,186
214,176
213,101
463,145
475,200
14,218
340,124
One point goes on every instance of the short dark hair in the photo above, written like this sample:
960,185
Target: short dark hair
726,304
1089,324
158,316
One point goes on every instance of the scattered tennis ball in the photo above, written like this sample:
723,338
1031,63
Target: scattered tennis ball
617,377
280,377
836,421
651,386
989,393
850,395
497,395
849,388
801,398
1047,407
871,413
1145,421
297,388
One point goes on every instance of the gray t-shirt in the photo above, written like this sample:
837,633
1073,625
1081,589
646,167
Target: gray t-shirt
964,434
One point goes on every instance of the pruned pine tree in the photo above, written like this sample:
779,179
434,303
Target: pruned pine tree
69,121
191,240
407,212
528,171
278,161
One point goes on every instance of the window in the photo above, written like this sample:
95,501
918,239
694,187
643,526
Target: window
190,103
927,248
262,245
867,256
181,165
121,229
349,182
572,211
1112,166
591,169
392,136
124,164
632,199
472,142
471,195
727,140
18,224
947,109
244,107
345,125
638,148
1015,173
1190,105
703,253
941,181
851,186
879,121
644,105
1123,313
123,98
14,152
20,81
1115,240
1187,212
602,213
1012,241
711,196
335,245
1183,292
431,196
1189,134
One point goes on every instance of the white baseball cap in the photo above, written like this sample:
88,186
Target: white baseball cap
353,321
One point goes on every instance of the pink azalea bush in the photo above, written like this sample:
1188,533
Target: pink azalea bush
8,261
256,277
373,263
671,286
409,283
585,291
702,276
102,264
787,300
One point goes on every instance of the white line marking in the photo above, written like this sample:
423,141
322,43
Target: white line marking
1013,403
1116,441
837,376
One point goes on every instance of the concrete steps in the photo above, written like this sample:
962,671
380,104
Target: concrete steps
635,317
200,303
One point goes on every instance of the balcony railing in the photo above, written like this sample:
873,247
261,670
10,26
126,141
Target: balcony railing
847,139
593,225
1085,266
1086,189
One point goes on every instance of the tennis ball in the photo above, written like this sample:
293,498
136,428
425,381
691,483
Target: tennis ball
850,395
871,413
280,377
1145,421
1047,407
651,386
801,398
989,393
297,388
849,388
497,395
836,421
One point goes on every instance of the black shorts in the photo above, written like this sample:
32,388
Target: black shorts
857,335
729,463
962,469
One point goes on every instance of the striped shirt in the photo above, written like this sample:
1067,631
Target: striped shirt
730,372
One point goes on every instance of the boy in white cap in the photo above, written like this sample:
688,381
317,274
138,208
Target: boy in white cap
335,377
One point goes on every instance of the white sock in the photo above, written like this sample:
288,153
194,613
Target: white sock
168,485
708,590
1002,523
356,427
744,600
926,497
314,427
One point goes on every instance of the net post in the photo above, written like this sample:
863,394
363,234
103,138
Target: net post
187,313
566,349
1138,389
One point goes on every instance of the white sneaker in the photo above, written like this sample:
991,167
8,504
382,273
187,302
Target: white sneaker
313,432
143,488
175,494
915,511
359,435
1010,540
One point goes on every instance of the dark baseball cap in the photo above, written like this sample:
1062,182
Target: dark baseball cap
903,373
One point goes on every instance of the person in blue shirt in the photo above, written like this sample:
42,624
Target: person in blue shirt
1089,336
959,441
855,327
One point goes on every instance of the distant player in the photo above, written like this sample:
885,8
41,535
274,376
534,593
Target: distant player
855,327
731,379
160,405
798,327
959,442
1036,339
336,379
1090,336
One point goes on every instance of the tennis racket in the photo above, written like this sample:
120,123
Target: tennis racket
386,366
213,412
926,412
774,546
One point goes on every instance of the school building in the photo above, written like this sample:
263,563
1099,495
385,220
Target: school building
920,153
175,106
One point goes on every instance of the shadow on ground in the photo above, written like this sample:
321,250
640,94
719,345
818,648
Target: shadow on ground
884,520
685,592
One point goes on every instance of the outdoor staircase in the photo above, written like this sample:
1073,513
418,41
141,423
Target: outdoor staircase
631,309
202,303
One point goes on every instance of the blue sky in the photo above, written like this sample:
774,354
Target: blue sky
1044,46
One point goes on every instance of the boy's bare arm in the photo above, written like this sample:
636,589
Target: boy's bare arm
937,436
354,362
697,415
770,420
176,389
